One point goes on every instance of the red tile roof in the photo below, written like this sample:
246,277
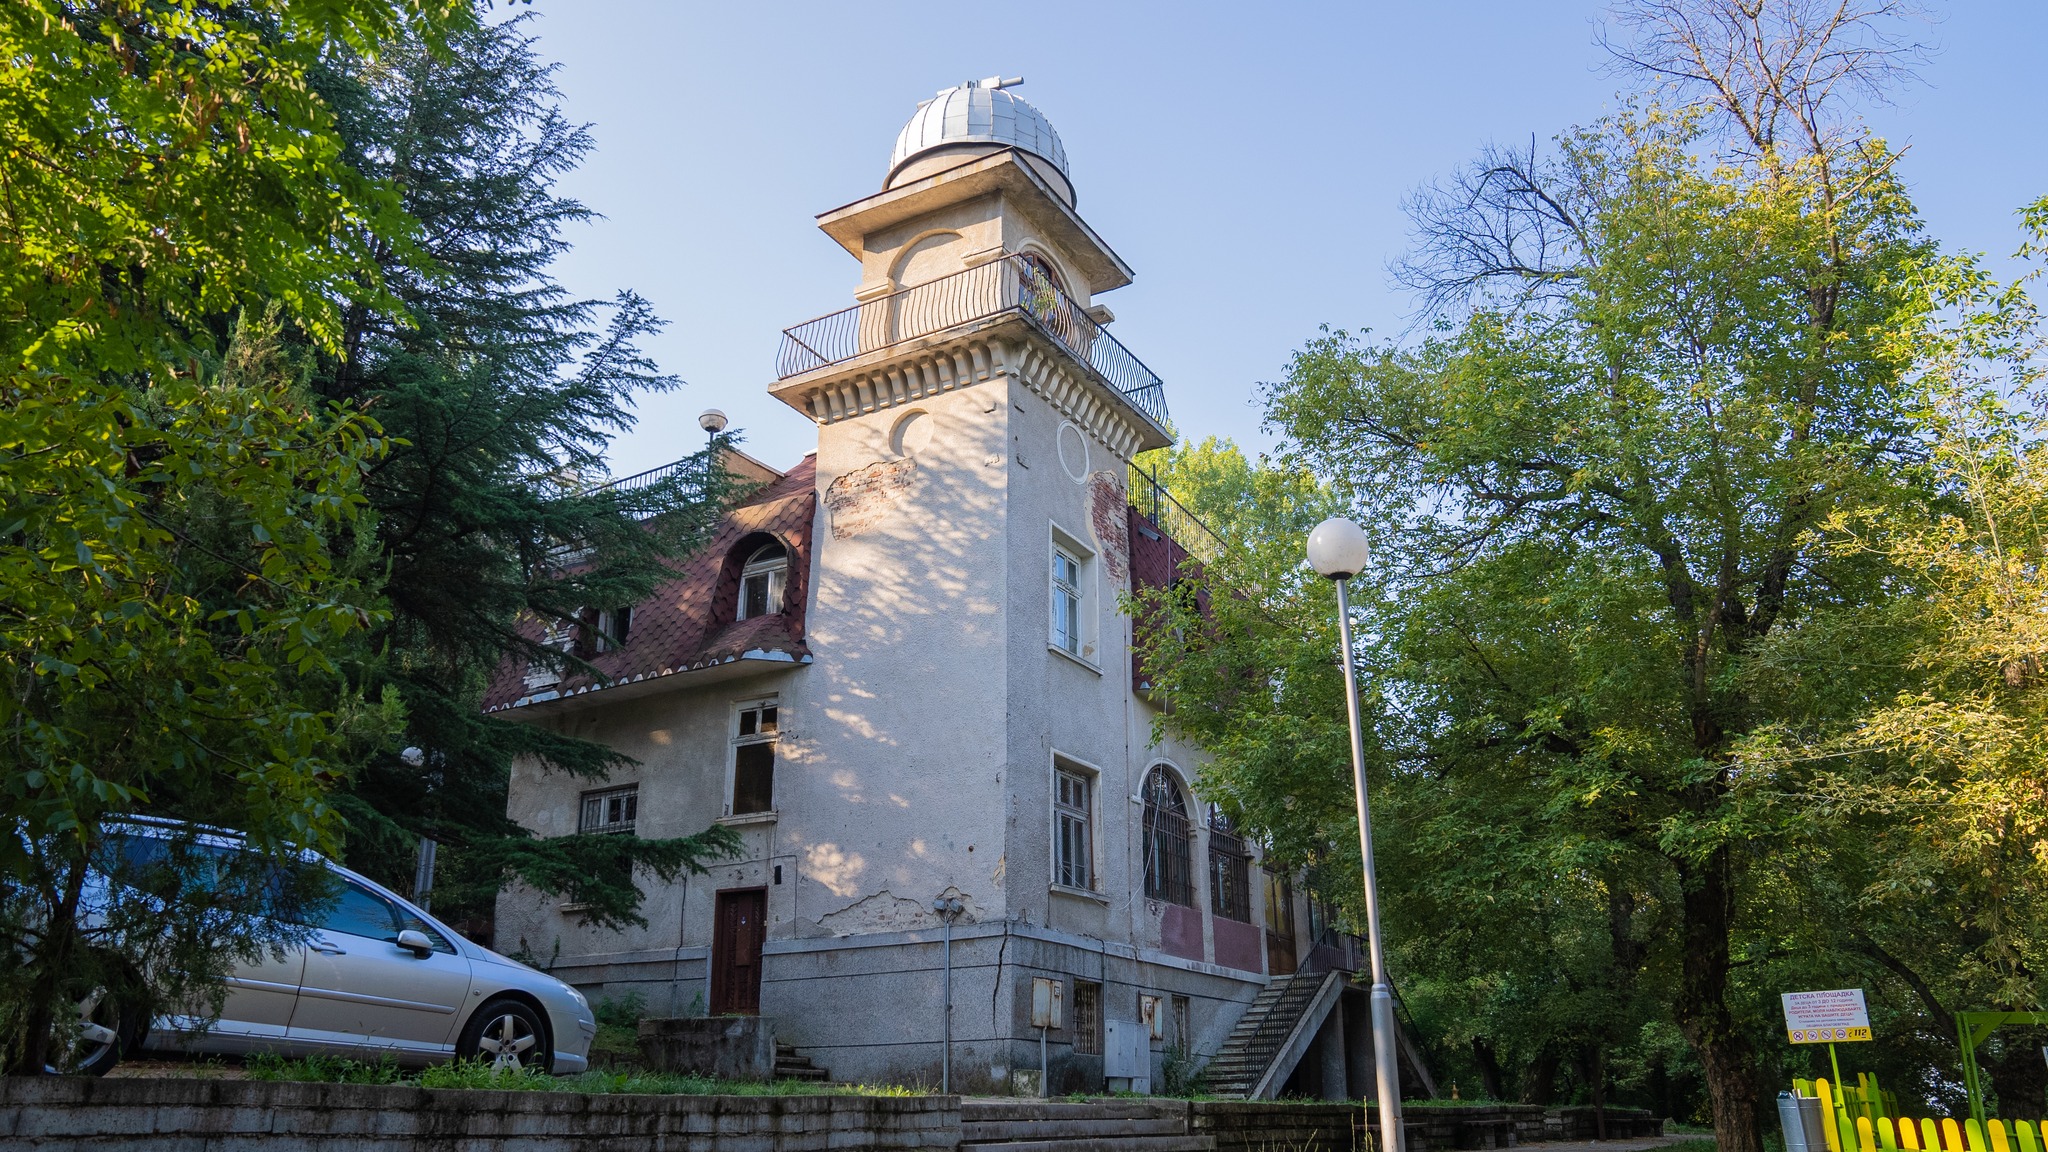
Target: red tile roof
688,622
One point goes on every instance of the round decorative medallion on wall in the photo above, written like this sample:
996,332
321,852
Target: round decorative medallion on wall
911,433
1074,452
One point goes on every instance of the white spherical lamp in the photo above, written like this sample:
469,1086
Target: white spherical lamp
1337,549
712,421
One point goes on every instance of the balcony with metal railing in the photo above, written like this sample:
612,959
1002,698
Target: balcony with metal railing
1014,284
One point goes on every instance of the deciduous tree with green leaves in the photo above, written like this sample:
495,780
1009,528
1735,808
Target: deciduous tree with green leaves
1665,357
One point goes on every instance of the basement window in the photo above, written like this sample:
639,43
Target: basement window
1087,1018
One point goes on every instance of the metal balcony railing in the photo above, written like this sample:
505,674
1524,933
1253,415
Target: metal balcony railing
1012,284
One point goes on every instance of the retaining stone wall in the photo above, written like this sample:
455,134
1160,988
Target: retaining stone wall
1262,1126
1453,1126
56,1114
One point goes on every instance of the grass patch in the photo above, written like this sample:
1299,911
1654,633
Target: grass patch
323,1070
478,1075
1702,1144
617,1043
1467,1102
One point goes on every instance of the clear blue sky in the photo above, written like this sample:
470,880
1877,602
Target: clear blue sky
1247,160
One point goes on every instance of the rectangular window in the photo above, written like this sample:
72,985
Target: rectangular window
1230,886
1073,816
613,625
1066,602
1182,1031
610,810
753,759
1087,1018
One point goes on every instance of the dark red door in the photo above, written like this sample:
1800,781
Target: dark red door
736,952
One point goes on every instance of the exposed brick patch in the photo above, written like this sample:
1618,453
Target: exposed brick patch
1112,529
858,499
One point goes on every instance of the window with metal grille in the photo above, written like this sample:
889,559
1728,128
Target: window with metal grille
610,810
1073,829
1169,874
1087,1018
753,758
1230,862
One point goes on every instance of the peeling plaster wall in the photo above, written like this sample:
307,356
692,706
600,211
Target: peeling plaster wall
907,695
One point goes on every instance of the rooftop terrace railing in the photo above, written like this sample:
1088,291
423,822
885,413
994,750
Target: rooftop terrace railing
1012,284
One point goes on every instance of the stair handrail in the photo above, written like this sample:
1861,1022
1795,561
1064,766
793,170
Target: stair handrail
1315,994
1260,1027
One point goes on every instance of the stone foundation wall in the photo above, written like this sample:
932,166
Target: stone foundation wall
59,1114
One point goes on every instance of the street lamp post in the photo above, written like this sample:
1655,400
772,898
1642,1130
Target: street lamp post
1337,550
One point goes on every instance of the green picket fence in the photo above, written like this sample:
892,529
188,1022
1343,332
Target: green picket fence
1864,1119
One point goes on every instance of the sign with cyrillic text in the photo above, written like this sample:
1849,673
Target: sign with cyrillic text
1826,1017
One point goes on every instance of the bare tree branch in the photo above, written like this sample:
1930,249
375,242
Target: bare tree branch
1782,75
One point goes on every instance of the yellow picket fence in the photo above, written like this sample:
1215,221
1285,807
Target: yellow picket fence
1860,1122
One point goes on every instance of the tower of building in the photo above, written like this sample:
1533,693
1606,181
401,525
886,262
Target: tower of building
904,677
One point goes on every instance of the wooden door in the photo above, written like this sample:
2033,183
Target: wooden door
736,952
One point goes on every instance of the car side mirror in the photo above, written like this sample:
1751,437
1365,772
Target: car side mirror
415,941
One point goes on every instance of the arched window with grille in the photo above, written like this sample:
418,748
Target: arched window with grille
1169,873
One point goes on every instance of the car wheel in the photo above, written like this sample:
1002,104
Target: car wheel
509,1034
91,1038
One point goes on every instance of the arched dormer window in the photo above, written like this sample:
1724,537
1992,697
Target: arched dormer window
762,580
1169,872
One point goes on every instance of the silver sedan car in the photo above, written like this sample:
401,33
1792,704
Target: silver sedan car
377,978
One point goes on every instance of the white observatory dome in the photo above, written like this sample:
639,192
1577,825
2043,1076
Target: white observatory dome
977,117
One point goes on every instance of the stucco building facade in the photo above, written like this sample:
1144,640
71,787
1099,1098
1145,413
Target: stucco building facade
902,673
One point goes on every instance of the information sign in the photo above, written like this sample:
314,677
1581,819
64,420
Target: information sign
1826,1017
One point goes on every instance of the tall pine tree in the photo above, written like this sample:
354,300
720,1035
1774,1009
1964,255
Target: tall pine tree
500,391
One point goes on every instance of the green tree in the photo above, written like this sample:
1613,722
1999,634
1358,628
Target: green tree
165,165
1663,360
500,392
1928,787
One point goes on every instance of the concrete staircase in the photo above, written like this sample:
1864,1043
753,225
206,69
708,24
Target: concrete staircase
789,1065
1091,1126
1274,1030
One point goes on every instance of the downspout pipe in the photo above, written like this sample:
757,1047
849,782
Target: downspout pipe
948,909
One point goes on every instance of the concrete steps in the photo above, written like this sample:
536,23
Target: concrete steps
791,1065
1260,1033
